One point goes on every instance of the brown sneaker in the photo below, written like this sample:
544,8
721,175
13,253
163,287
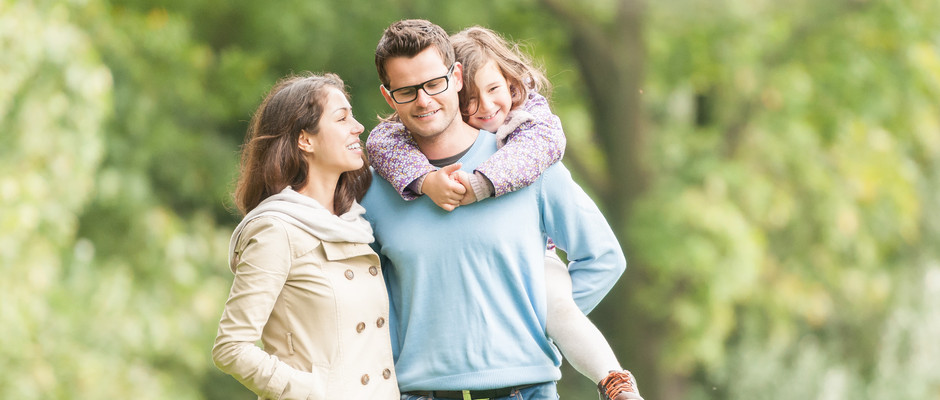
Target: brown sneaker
618,385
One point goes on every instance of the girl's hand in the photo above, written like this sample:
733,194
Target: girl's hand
464,179
444,190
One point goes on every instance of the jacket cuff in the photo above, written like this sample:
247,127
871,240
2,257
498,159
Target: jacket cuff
415,186
482,187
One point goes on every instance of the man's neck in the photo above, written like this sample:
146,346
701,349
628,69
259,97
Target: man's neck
456,139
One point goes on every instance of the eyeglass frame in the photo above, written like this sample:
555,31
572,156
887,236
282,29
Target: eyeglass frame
450,72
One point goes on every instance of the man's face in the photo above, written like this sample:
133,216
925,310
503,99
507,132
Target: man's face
427,116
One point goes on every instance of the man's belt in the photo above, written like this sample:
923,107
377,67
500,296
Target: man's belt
469,394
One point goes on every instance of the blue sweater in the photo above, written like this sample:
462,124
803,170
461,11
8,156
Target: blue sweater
467,287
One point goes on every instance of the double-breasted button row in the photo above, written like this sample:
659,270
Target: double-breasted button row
362,325
386,373
372,270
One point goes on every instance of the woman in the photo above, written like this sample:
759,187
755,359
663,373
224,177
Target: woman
306,284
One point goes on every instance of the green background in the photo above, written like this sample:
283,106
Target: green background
772,169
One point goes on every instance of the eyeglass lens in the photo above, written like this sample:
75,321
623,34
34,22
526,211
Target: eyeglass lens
432,87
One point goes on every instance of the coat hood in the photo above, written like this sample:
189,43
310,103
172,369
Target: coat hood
307,214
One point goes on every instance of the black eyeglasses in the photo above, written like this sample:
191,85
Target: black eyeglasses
431,87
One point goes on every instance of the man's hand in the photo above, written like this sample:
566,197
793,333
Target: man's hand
464,179
443,189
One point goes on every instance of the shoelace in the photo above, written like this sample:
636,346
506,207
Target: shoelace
618,382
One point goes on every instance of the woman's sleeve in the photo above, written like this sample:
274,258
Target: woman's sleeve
262,269
531,147
395,155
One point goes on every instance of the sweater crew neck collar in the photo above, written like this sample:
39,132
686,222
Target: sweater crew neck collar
443,162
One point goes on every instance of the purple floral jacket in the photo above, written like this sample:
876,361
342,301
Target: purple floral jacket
533,140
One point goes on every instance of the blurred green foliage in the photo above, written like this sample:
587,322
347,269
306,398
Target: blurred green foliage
782,247
797,157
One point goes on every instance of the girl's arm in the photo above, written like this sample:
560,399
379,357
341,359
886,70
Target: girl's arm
395,156
530,148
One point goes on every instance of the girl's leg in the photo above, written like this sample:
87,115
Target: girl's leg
578,339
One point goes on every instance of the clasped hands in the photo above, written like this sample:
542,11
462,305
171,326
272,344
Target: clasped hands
449,187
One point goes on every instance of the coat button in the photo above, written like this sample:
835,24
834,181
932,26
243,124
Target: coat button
349,274
380,322
360,327
365,379
373,270
386,373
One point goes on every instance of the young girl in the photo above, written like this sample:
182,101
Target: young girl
500,94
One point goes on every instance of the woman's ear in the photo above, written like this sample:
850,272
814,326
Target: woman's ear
305,142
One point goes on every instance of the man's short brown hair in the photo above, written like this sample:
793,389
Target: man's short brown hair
407,38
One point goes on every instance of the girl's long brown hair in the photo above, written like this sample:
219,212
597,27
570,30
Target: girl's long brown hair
475,46
271,158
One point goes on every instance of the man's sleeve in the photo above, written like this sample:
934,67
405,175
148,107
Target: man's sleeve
572,220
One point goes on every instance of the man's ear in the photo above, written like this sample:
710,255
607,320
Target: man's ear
458,76
387,96
305,142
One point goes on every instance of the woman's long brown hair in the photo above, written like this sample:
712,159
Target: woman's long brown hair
271,158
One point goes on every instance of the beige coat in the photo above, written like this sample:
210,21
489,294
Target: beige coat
320,309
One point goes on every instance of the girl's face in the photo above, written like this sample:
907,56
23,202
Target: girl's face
494,99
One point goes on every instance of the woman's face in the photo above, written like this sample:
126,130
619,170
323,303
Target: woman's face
491,106
336,144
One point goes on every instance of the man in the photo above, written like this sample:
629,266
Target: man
466,287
